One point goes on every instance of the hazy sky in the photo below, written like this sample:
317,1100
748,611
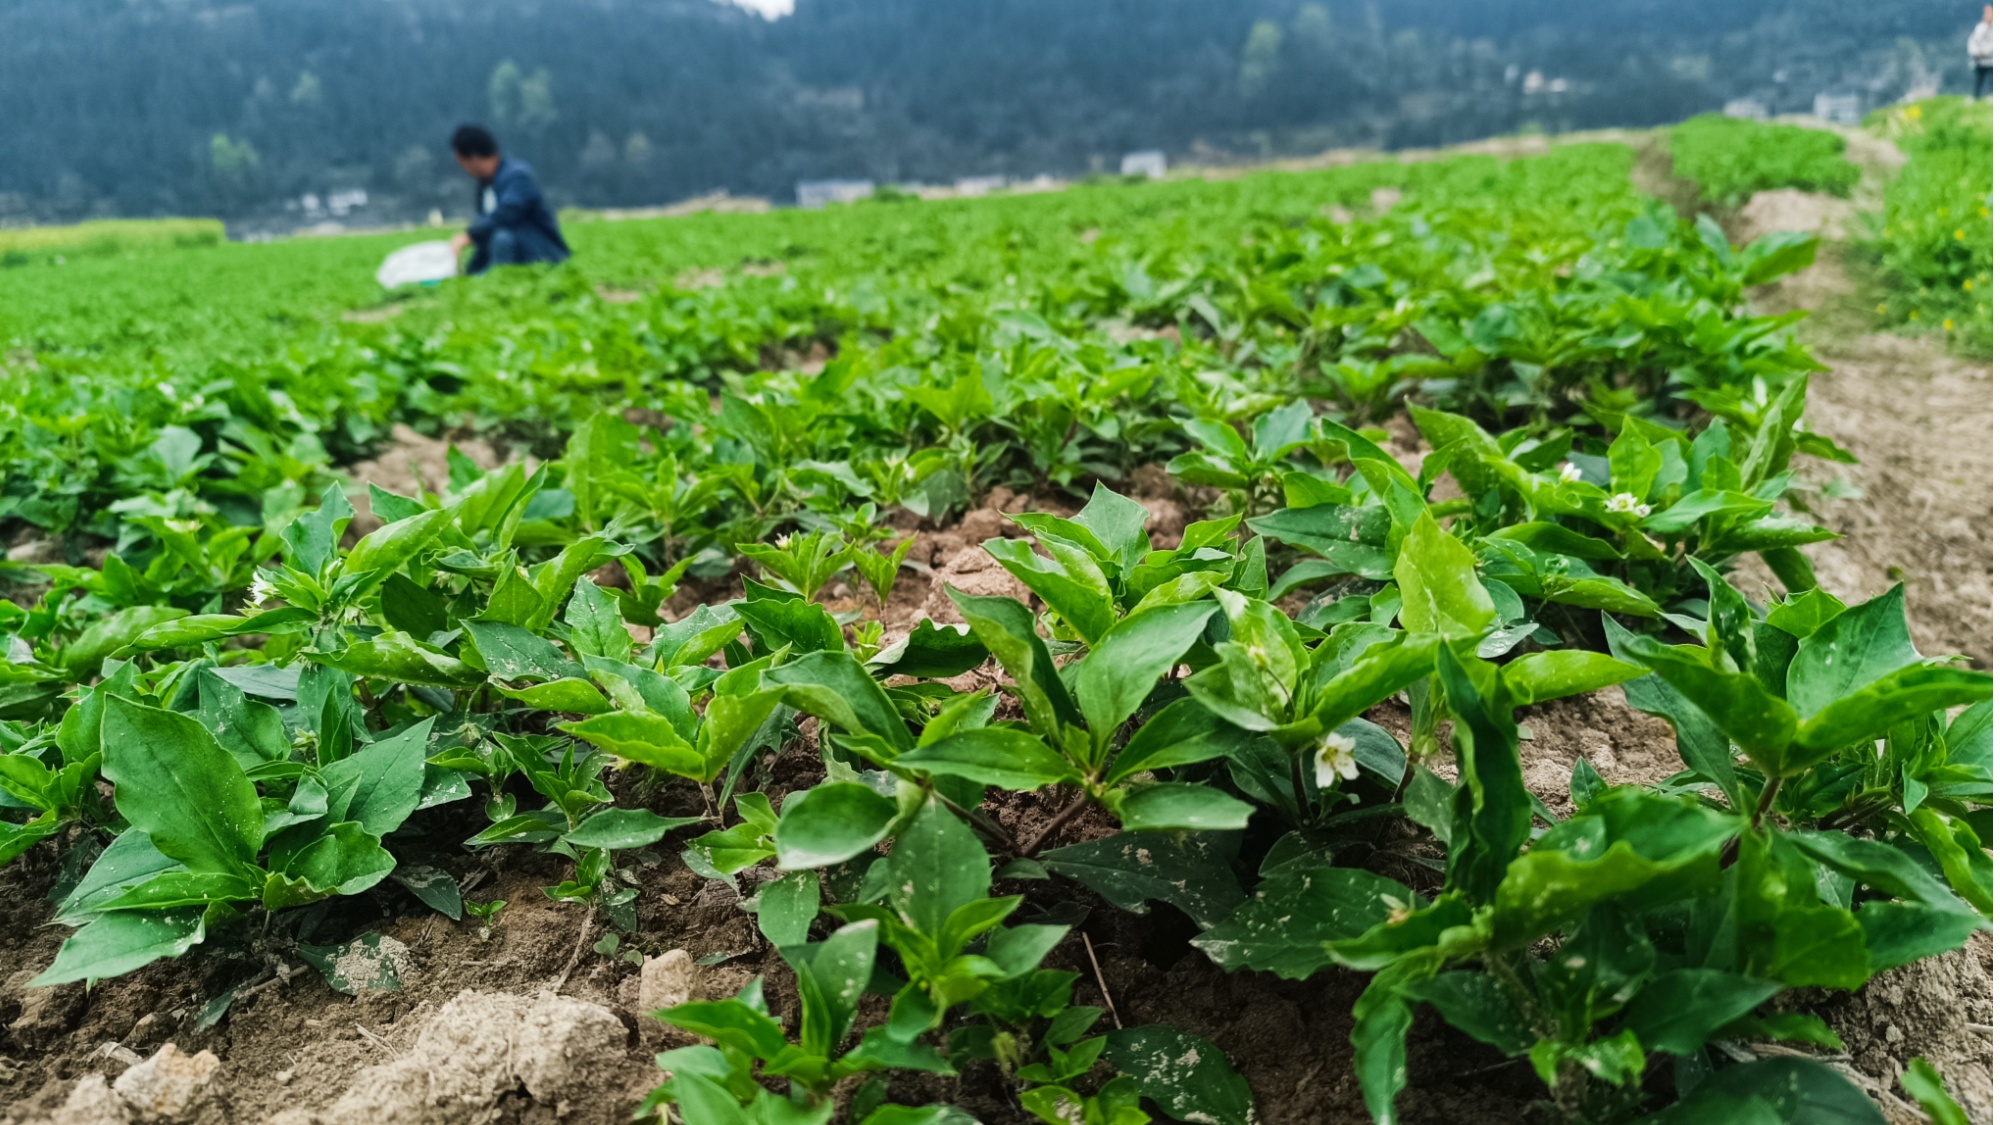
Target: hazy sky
769,9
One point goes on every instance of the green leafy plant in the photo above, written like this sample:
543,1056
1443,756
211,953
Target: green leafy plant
1731,159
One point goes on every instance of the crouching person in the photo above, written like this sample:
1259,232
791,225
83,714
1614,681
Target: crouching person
515,225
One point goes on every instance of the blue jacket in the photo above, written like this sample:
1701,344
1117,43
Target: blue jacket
518,206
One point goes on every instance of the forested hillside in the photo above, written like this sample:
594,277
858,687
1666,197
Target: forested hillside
139,107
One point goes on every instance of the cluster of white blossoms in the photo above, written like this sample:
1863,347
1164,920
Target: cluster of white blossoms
1335,758
1626,502
261,590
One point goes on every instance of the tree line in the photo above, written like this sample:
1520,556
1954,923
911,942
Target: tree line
148,107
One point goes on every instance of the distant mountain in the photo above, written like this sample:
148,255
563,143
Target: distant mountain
143,107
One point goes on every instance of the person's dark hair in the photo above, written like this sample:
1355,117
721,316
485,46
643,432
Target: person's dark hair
474,140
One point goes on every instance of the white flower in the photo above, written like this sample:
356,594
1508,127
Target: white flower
1570,474
1335,758
261,590
1626,502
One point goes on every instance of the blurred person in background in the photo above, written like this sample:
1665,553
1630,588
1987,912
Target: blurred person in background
515,225
1980,48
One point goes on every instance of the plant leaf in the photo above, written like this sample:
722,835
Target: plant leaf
181,788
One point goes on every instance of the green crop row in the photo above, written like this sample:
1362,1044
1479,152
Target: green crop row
1935,244
288,711
105,237
1730,159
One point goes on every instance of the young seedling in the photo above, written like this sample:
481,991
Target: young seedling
485,914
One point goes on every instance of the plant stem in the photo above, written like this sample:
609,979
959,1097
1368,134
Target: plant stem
1764,801
980,822
1049,829
1102,989
1299,785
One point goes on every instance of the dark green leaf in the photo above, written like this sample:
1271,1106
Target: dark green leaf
117,943
1780,1091
936,867
931,652
1188,870
1901,933
1285,926
1187,1076
1683,1008
1181,733
1475,1003
625,828
1492,809
380,784
512,653
786,907
181,788
1008,630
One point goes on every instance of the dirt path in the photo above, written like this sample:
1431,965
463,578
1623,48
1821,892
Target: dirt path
1918,419
1921,423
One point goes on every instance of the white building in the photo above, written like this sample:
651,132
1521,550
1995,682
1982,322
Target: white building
1750,109
1841,109
341,202
814,194
1151,164
978,185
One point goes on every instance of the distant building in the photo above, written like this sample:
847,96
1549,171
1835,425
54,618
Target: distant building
341,202
978,185
1841,109
1152,164
814,194
1750,109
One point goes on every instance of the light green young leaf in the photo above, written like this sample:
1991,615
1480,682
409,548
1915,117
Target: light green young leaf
1541,676
388,547
1439,580
1129,658
832,823
1180,805
1069,581
1007,628
1910,693
1008,758
595,626
1922,1082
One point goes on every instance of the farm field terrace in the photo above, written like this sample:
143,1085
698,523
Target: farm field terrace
1134,652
